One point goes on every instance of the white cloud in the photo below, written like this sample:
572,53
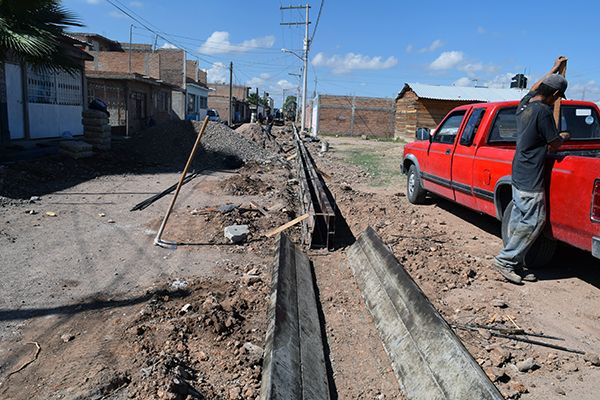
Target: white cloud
500,81
168,45
218,43
589,91
93,1
447,60
409,48
352,61
436,44
258,81
464,81
117,14
218,73
284,84
136,4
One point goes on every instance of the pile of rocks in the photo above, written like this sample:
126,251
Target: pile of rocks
96,129
75,149
223,140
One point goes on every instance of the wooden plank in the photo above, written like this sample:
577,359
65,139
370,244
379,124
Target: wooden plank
259,208
563,71
286,225
291,157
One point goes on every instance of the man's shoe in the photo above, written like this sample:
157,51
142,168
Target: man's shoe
508,274
526,275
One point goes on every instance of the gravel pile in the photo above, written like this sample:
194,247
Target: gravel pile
220,139
171,143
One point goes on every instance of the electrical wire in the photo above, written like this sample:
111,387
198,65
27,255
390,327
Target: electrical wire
317,23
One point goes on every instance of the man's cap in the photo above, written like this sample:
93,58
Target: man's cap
556,82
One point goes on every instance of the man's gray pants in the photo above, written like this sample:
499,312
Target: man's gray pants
527,220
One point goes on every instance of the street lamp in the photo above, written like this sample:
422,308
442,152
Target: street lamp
304,82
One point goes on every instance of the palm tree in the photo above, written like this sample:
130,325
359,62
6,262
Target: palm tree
33,31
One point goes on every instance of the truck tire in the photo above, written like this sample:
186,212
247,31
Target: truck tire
414,190
540,253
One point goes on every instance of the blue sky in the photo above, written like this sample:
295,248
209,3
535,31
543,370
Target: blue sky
368,48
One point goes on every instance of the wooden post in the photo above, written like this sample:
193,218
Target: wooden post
563,71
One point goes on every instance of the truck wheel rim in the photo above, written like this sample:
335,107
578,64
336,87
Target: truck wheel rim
411,183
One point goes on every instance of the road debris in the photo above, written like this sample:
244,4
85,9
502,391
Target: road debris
236,233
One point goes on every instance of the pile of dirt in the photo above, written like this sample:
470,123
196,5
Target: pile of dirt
245,185
171,143
205,345
260,135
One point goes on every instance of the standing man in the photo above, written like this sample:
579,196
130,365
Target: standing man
536,134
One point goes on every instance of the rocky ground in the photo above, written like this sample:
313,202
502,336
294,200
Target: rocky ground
447,250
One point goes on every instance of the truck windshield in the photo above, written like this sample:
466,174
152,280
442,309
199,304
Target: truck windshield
581,122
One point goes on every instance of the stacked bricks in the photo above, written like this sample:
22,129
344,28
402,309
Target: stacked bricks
96,129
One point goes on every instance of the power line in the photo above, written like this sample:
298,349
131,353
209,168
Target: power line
317,23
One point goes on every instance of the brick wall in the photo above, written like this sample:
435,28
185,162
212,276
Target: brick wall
202,77
113,61
222,90
355,116
171,66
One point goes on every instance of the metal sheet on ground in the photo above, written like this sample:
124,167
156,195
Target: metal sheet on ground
429,360
294,361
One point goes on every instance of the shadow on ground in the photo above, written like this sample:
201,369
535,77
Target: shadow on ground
160,149
568,262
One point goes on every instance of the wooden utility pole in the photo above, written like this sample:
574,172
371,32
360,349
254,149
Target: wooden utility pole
229,117
130,43
563,71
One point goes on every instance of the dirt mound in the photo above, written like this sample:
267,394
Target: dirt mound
171,143
206,345
260,135
245,185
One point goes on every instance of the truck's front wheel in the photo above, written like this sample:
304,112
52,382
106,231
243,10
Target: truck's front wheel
414,190
540,253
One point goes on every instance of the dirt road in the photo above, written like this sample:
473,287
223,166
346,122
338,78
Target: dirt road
447,249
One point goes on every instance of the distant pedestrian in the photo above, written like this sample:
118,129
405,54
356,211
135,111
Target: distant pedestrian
536,134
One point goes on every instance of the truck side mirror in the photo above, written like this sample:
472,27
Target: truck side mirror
423,134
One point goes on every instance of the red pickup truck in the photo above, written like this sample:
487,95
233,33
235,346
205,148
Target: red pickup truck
468,159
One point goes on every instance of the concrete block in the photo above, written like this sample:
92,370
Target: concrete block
236,233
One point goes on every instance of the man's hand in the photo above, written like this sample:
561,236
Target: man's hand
565,136
555,145
559,61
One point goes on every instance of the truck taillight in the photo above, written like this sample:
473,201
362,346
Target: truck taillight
595,212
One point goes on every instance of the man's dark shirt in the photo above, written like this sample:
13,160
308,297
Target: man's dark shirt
535,129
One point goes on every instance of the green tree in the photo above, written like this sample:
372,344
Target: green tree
289,107
33,30
252,100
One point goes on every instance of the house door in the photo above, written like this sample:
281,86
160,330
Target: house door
14,101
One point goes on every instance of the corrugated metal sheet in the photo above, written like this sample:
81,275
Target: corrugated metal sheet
463,93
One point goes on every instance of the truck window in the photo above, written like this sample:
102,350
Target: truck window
504,128
468,134
449,129
580,121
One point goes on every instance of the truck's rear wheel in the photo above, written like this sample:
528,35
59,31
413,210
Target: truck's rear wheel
540,253
414,191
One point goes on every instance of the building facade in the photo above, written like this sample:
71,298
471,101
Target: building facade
218,99
38,103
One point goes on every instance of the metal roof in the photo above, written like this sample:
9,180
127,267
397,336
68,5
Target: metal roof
460,93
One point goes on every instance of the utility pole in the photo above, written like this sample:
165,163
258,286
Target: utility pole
304,58
130,43
229,118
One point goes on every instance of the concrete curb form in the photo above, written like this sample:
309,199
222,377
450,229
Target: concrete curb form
294,361
429,360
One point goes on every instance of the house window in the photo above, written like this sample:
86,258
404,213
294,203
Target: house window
191,103
203,101
49,87
163,101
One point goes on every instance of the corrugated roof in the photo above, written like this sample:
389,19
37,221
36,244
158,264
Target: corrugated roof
463,93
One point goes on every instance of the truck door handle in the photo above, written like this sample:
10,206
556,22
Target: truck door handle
447,151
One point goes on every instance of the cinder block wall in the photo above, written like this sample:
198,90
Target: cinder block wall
372,116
